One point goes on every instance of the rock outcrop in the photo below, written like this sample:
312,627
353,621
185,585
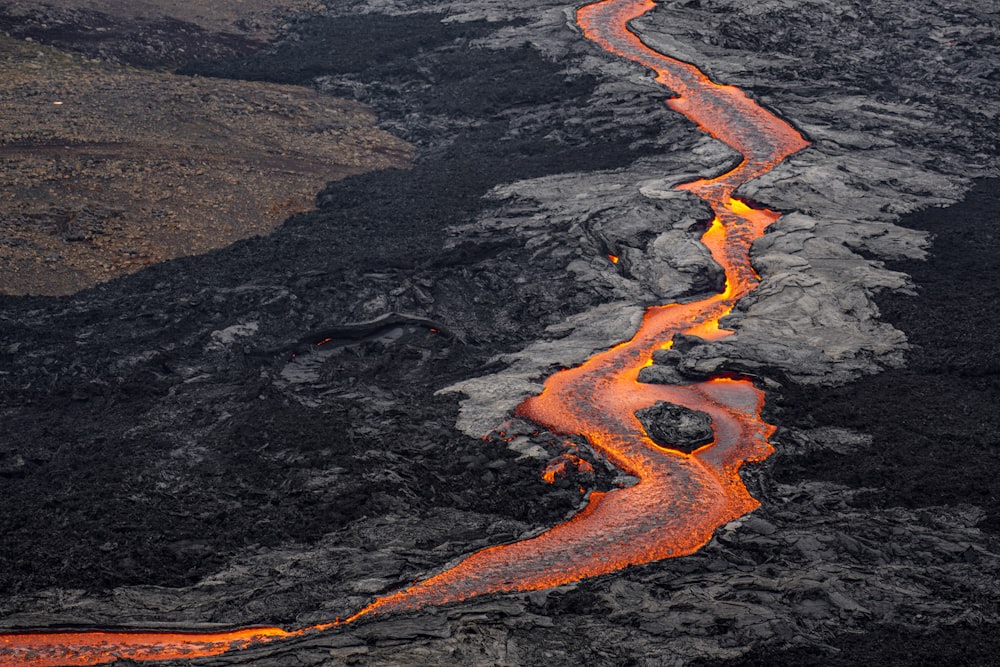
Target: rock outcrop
676,427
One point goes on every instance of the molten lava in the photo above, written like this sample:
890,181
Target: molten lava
559,467
680,499
69,649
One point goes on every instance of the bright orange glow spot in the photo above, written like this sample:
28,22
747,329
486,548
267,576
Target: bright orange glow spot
738,207
680,499
613,258
708,330
715,236
559,467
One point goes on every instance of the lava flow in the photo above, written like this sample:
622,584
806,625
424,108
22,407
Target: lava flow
680,499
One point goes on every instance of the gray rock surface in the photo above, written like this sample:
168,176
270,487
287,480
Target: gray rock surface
813,318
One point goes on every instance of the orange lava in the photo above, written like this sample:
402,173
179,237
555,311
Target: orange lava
69,649
680,498
557,467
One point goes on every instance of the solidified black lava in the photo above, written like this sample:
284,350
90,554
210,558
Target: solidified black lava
154,456
963,644
676,427
156,43
935,422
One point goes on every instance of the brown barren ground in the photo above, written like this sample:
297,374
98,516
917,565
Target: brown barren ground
108,168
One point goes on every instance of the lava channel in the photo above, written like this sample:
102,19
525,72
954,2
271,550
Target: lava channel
680,498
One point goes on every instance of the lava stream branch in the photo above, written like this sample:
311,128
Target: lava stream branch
78,648
680,498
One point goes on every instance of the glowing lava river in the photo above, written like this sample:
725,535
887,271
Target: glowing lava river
680,498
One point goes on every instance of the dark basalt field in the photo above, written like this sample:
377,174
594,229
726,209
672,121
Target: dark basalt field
935,426
238,438
91,381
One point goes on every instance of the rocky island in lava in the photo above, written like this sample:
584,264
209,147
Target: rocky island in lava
539,369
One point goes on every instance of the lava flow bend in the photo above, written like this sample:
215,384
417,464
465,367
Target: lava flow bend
680,498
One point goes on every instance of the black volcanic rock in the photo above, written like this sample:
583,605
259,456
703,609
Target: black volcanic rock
657,374
148,42
953,365
670,356
203,344
664,368
682,343
676,427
